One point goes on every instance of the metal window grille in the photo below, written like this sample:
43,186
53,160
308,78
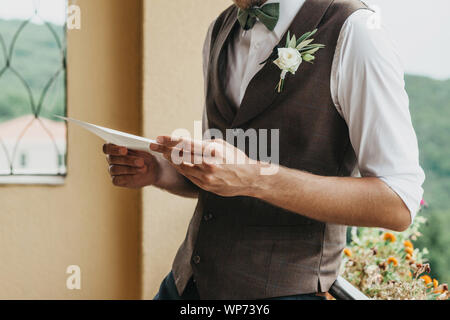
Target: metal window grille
32,89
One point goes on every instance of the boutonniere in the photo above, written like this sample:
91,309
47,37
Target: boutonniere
290,57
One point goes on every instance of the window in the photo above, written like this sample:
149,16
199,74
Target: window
23,160
33,142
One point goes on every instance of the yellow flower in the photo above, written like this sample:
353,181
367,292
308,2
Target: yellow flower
408,244
409,250
347,252
435,283
392,260
389,237
426,279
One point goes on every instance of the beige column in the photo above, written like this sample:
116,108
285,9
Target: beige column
174,32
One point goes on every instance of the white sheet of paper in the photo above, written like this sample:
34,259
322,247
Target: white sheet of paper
113,136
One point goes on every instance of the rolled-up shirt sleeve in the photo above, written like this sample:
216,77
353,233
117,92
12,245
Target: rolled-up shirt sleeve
369,92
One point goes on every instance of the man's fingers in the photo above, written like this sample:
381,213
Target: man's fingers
164,144
112,149
116,170
130,161
122,181
138,153
193,146
191,170
168,141
160,148
168,144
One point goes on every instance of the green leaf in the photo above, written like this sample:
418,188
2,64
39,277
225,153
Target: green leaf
304,43
312,46
311,51
313,32
306,36
293,42
288,39
308,57
303,38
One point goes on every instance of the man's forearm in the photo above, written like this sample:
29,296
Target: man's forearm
349,201
173,182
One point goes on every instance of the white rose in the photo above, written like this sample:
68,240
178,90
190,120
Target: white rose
289,59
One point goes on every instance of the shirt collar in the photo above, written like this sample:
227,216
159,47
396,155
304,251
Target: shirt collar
288,11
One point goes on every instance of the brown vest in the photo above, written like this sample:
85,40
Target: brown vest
244,248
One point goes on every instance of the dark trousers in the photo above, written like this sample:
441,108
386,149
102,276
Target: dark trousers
168,291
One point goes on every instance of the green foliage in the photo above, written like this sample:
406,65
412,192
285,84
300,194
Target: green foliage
430,111
36,57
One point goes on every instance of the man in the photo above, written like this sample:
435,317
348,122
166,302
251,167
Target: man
280,236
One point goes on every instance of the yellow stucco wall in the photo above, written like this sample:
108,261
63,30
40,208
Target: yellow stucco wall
173,98
87,221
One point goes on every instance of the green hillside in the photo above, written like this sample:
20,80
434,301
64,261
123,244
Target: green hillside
37,58
430,110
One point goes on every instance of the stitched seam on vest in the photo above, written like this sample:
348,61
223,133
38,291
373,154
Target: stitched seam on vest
270,266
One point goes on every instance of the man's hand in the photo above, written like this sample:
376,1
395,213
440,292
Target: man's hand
212,165
130,168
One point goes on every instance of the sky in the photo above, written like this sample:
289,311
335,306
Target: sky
421,28
50,10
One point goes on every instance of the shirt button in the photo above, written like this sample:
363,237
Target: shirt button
208,216
196,259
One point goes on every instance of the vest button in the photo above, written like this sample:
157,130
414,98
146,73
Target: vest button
208,216
196,259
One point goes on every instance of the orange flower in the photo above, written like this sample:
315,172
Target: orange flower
409,250
408,256
410,274
441,289
347,252
392,260
426,279
389,237
408,244
435,283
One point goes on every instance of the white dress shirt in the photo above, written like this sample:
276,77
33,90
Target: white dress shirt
367,87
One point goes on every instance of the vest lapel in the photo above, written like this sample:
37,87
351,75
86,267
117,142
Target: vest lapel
219,65
261,93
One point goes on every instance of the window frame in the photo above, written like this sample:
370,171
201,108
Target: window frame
40,179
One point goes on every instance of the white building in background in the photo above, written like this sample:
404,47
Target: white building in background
40,151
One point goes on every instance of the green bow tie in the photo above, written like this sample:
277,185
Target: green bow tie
268,14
